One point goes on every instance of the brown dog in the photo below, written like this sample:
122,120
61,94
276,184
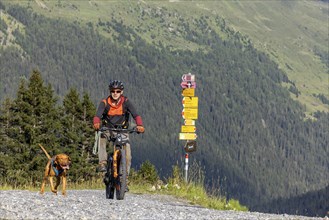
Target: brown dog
57,166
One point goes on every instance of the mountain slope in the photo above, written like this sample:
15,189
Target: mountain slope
303,205
253,138
291,33
294,33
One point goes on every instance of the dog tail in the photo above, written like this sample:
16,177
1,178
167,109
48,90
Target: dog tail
44,150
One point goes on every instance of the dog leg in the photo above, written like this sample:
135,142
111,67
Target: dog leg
52,185
45,178
42,190
58,181
64,185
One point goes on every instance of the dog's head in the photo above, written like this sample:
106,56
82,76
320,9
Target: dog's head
63,161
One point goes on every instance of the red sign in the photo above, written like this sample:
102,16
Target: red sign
186,85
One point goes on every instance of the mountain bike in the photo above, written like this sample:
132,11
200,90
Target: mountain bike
115,178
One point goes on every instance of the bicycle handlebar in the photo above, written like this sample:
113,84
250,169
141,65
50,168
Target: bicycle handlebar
119,130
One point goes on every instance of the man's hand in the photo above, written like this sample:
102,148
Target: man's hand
97,123
140,129
97,126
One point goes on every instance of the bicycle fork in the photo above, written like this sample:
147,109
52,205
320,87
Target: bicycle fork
116,154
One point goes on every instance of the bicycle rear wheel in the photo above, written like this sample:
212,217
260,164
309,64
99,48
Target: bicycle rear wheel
122,178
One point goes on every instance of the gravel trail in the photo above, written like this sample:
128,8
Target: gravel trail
92,204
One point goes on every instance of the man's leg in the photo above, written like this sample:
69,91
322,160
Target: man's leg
128,161
128,157
102,154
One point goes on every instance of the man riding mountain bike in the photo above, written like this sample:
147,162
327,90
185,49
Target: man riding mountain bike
113,112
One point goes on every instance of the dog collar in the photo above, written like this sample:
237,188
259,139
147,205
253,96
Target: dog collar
57,172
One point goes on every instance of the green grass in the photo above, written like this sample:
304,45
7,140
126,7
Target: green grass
288,31
8,37
195,194
5,186
193,190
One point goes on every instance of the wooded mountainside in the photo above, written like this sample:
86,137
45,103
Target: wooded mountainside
253,139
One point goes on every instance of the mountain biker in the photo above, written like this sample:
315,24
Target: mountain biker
114,112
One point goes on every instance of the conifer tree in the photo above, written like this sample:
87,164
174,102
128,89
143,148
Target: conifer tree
77,136
7,145
33,120
72,109
88,114
87,138
14,138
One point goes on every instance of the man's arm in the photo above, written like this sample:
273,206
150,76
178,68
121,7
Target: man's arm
136,116
98,116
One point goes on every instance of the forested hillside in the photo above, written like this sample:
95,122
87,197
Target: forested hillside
253,139
294,34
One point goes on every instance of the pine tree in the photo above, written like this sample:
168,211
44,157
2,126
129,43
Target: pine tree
33,120
78,133
6,141
88,114
14,138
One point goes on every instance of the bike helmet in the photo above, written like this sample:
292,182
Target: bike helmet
116,84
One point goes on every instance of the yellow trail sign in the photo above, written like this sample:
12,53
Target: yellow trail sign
190,102
190,113
187,136
189,122
188,92
188,128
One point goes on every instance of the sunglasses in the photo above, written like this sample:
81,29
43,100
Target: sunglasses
116,91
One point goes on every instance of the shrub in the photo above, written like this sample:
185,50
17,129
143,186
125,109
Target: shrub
147,173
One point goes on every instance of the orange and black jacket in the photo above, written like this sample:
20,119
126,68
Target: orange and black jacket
117,115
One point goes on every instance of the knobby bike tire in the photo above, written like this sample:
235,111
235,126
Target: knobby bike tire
109,191
122,178
108,179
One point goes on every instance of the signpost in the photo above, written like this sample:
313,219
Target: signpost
190,114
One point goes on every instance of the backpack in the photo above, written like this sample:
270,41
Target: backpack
125,124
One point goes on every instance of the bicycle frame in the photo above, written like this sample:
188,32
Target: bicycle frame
116,172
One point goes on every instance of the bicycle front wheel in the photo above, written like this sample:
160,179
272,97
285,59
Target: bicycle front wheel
108,179
109,190
122,178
